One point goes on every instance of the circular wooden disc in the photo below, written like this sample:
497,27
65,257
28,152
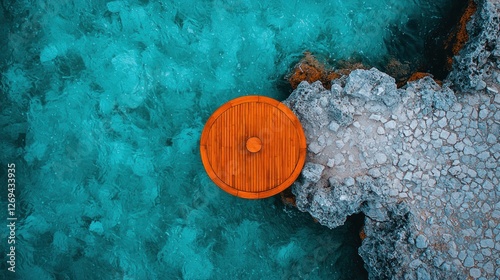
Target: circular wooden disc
254,144
253,147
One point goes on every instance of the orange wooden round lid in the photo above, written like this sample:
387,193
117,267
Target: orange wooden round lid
253,147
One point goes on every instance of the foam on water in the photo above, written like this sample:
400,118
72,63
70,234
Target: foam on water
103,104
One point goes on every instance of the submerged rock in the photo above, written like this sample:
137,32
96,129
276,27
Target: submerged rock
311,70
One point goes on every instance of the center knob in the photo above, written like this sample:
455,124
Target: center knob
254,144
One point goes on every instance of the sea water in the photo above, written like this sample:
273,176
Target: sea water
102,107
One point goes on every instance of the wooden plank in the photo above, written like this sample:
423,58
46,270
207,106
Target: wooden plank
264,165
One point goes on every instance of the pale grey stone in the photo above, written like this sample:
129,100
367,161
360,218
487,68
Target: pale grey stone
491,139
408,176
497,116
380,130
456,198
472,173
375,117
421,241
331,163
486,252
339,143
459,146
334,126
471,132
474,114
479,257
467,142
475,273
487,243
312,171
483,113
485,208
351,158
435,135
375,172
473,124
429,122
469,262
339,158
497,98
469,150
409,113
489,267
492,90
484,155
438,261
437,143
444,134
462,255
418,133
443,122
426,137
487,185
413,124
455,170
315,147
467,110
380,158
415,263
481,147
349,181
452,139
357,85
322,141
390,125
423,274
480,85
453,252
495,148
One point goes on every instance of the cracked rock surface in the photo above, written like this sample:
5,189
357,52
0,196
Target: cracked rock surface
422,164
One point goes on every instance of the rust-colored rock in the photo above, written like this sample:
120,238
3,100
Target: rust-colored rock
459,36
347,66
362,234
332,76
311,70
417,76
288,198
400,71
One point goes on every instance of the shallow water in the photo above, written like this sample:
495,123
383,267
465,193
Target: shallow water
103,104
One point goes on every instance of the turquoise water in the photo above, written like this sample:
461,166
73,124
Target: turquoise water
102,108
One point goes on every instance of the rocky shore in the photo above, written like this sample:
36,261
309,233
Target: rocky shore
421,162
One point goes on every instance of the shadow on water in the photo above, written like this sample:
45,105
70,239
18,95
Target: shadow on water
419,43
437,53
